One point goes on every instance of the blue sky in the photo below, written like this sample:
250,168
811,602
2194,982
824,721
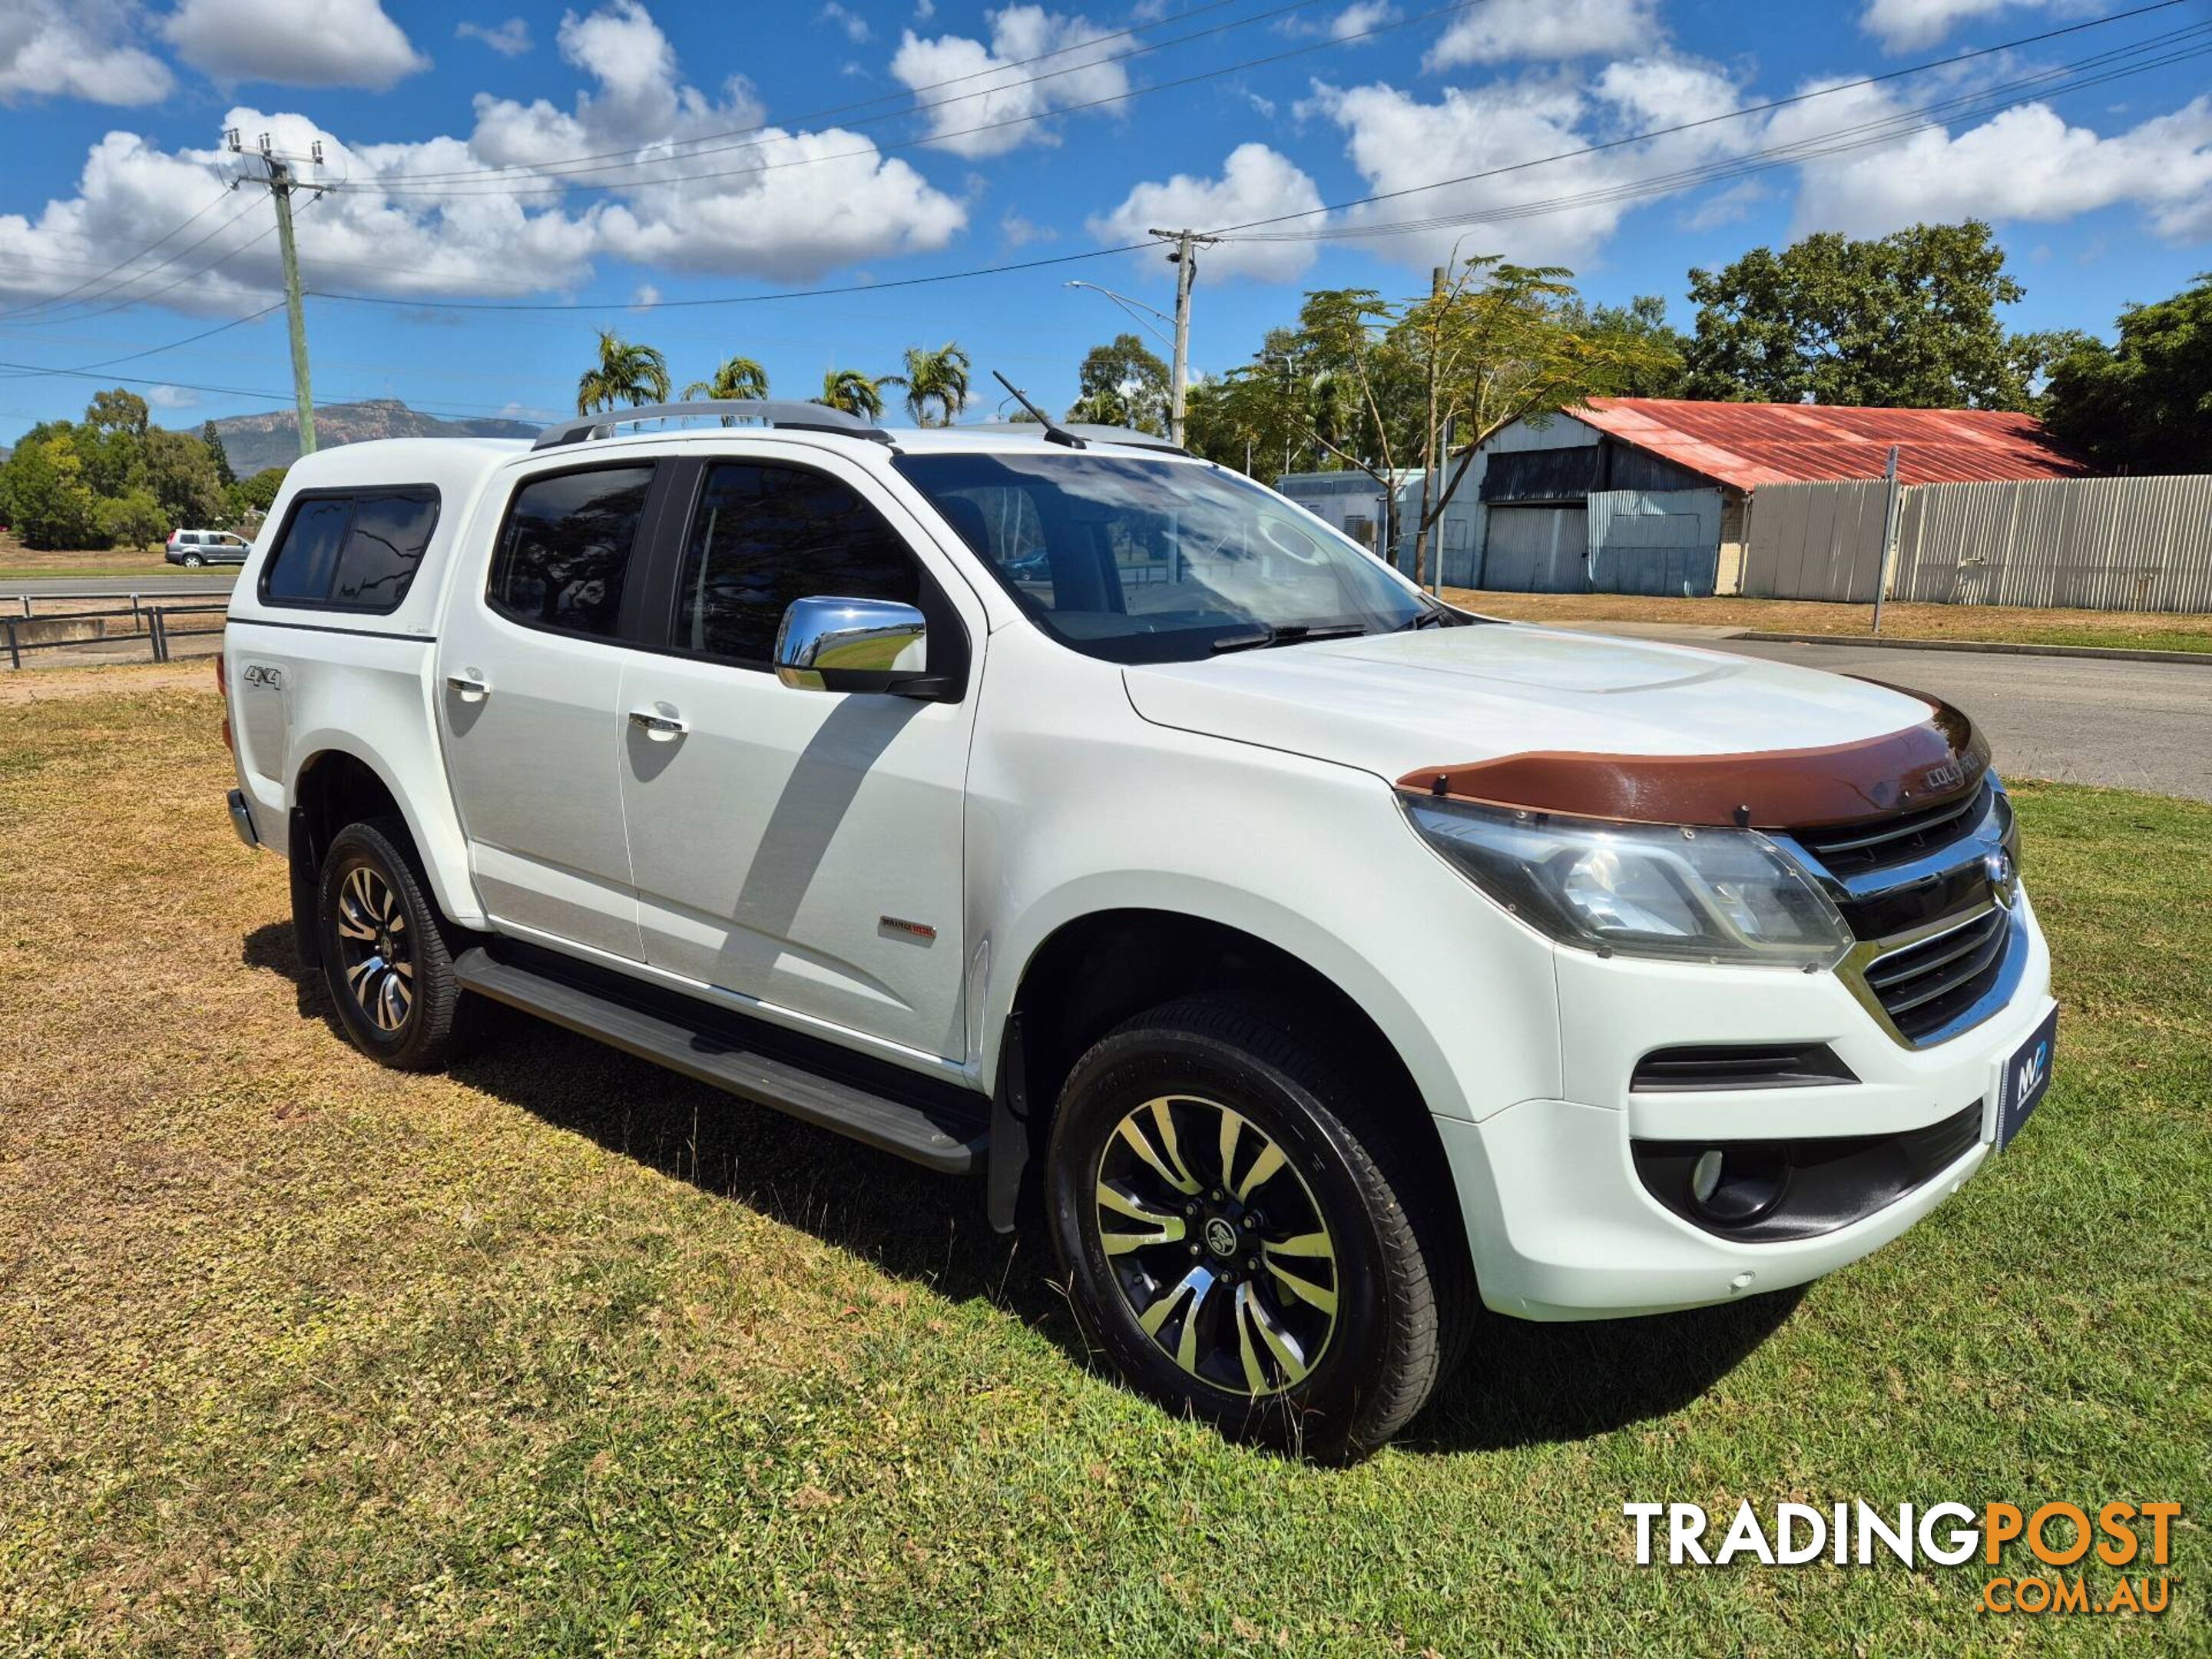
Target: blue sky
613,155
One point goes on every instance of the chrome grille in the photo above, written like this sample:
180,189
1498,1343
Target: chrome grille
1937,952
1923,986
1848,850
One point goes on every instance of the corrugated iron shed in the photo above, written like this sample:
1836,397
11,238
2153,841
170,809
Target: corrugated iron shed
1747,445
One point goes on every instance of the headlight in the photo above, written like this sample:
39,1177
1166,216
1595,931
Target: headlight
1644,889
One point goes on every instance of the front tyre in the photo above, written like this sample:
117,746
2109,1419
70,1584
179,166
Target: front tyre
1248,1235
385,959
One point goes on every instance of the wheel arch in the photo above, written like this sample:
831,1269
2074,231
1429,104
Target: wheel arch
337,783
1095,968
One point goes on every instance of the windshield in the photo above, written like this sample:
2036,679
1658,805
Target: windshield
1147,561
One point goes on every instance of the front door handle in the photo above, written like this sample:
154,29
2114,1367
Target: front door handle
657,725
471,686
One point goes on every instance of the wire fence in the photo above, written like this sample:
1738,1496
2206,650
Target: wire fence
159,627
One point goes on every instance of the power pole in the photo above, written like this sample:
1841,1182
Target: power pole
1185,260
1890,504
278,174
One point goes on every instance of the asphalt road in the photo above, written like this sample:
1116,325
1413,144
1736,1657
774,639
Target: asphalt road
2078,720
201,581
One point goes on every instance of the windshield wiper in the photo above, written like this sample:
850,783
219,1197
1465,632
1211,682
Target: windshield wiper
1263,636
1439,615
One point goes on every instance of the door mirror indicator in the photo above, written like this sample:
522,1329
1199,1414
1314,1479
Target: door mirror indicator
856,645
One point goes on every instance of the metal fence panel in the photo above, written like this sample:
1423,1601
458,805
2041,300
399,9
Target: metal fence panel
1653,541
1819,541
2094,544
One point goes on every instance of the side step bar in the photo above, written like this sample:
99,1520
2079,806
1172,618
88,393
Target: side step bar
712,1050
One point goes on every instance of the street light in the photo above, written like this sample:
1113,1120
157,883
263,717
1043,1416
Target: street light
1132,306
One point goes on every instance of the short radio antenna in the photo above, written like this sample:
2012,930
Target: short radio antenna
1054,433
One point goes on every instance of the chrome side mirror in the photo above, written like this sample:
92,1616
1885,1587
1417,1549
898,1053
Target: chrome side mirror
855,645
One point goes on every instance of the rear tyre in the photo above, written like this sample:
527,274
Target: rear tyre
383,957
1247,1233
191,561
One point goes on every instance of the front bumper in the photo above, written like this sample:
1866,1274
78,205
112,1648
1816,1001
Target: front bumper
1560,1222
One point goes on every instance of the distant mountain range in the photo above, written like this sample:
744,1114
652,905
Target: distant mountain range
256,441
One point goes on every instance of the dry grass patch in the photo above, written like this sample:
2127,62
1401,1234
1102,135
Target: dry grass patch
2140,630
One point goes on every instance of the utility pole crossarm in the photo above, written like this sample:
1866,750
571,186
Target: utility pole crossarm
1186,263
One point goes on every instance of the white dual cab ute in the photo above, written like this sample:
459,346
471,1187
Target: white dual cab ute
1051,804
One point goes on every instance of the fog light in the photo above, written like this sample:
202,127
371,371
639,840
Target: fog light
1736,1185
1705,1176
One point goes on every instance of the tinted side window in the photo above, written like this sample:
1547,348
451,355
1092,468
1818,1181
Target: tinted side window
352,552
382,549
300,569
764,536
566,548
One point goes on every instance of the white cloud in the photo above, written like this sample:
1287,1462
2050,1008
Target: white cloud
426,219
855,26
509,39
1350,25
1903,25
1017,232
296,43
645,296
1000,92
76,49
1499,31
924,11
2021,164
1397,142
1256,183
1359,17
172,396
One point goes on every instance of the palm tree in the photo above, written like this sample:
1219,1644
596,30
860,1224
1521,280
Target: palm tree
856,393
936,378
740,377
625,374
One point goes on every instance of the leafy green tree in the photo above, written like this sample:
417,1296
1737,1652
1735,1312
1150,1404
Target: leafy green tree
1642,323
181,475
49,503
624,374
2145,405
212,439
1494,343
1908,320
134,519
936,384
112,441
250,499
737,377
855,393
1123,383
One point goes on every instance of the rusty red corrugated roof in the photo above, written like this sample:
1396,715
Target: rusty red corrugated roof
1748,445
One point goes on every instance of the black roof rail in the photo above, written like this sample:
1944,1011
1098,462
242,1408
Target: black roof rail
1128,436
769,411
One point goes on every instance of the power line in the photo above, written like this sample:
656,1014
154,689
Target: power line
1887,129
887,147
732,299
1708,120
56,299
628,157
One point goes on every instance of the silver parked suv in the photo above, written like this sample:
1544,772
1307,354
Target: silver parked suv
194,548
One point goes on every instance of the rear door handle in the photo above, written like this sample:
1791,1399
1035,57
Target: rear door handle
657,725
471,686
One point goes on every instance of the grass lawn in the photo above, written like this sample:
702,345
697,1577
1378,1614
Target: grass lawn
19,562
561,1354
2153,630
